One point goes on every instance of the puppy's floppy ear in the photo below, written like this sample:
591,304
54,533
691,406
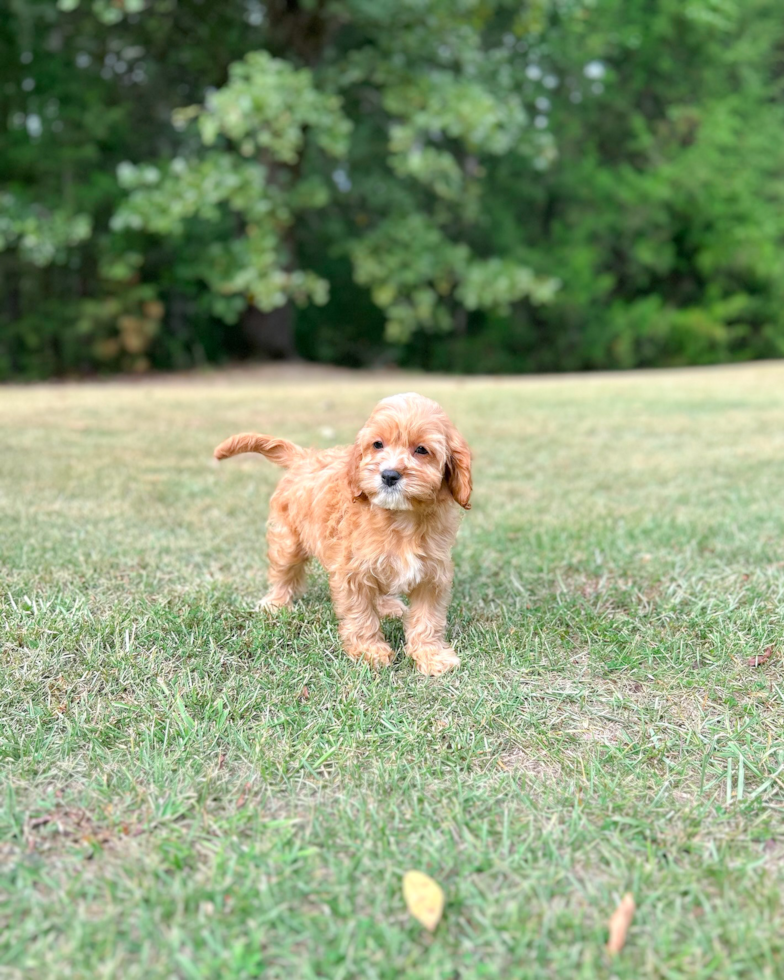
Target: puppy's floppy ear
458,469
352,471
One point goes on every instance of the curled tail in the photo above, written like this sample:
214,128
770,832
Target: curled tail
280,451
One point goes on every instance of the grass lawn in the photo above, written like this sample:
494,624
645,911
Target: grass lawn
189,789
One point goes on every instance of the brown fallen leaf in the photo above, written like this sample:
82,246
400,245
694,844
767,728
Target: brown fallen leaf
243,796
761,658
424,898
304,694
619,924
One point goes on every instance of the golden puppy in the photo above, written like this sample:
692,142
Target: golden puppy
381,518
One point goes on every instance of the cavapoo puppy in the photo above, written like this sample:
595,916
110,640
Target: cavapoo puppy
381,517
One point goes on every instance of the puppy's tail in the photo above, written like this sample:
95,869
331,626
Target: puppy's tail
280,451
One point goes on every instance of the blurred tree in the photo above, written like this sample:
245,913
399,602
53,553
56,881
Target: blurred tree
461,184
79,94
381,116
664,212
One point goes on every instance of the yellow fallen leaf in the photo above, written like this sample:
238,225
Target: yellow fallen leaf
424,898
619,924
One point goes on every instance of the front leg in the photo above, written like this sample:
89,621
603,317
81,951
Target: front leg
426,625
360,626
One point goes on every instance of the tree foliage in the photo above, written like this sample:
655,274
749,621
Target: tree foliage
663,211
464,184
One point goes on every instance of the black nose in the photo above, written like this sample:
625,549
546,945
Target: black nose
390,477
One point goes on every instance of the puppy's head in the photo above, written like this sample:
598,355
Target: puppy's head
407,452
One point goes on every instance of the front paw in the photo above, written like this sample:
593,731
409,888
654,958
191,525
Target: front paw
432,661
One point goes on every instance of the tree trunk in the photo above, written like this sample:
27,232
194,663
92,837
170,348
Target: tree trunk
271,334
301,29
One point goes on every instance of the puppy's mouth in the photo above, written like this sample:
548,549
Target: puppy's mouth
392,498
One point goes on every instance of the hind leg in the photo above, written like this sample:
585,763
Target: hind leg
287,566
390,606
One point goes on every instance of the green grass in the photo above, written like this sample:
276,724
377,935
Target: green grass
192,790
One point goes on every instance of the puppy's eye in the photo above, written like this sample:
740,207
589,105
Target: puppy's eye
421,451
378,444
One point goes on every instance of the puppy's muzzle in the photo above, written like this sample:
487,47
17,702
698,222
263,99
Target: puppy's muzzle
390,478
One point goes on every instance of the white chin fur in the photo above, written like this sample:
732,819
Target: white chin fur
392,500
